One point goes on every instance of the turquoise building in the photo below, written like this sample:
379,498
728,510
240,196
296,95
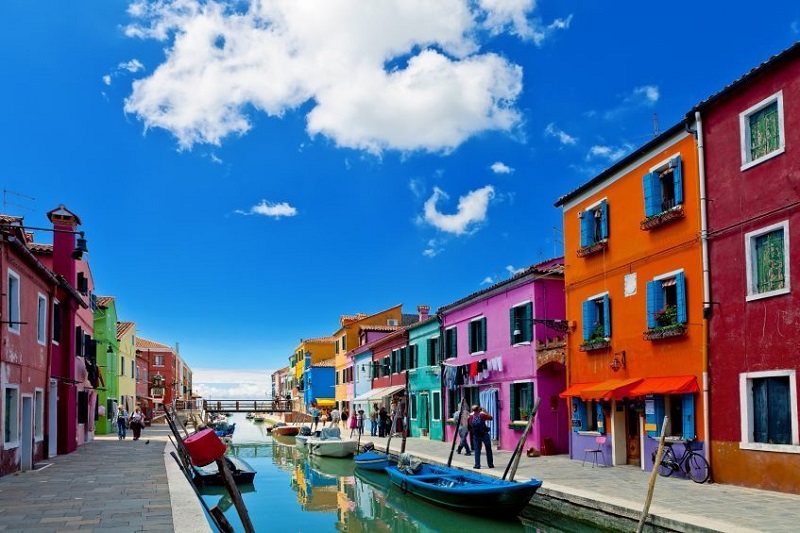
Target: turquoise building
425,381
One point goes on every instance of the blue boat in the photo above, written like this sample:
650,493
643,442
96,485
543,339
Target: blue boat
464,491
371,461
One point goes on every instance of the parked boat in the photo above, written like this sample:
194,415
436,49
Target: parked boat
259,418
463,491
331,444
371,460
288,431
209,475
250,416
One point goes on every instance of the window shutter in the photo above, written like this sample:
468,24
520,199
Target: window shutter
655,419
607,315
588,319
513,402
578,414
677,178
680,286
483,335
512,325
601,422
780,426
760,411
604,220
586,229
653,289
688,416
529,389
527,323
652,194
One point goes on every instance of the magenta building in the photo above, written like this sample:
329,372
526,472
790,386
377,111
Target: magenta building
504,346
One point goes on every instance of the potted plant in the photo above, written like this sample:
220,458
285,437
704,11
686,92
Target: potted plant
667,316
523,413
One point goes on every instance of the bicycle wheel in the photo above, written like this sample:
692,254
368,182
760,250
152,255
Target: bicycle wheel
697,468
667,465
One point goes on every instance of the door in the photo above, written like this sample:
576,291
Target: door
632,432
52,421
26,436
424,414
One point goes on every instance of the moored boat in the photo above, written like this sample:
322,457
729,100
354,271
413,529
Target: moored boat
288,431
464,491
371,460
240,469
331,444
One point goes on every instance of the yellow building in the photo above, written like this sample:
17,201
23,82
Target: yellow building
126,337
318,349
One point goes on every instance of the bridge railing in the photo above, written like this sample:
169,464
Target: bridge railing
246,406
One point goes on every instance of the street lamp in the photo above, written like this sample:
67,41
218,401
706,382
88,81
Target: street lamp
80,242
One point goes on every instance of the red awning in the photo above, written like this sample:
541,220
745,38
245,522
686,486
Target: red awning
575,390
666,385
612,388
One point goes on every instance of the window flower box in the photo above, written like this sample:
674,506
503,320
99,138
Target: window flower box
664,332
518,425
662,218
593,248
595,344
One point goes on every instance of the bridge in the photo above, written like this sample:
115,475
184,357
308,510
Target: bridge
247,406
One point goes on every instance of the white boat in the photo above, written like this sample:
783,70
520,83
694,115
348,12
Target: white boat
259,418
331,444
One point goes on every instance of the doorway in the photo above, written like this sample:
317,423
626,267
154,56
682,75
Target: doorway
26,436
424,414
52,420
634,453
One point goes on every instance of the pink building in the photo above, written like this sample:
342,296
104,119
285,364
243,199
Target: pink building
503,348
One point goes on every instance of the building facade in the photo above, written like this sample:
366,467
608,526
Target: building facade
426,408
105,333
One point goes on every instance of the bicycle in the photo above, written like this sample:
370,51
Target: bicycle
691,463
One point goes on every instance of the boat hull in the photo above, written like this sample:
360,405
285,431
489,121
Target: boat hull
371,461
240,469
288,431
331,447
466,491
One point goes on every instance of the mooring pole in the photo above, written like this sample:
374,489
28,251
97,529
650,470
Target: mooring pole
653,476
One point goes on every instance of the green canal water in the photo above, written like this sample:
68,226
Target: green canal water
296,492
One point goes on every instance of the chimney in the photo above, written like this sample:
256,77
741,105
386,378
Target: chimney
64,221
423,311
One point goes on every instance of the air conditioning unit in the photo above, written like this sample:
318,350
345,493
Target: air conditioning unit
391,322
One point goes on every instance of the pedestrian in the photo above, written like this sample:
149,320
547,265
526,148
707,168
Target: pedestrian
373,419
336,417
480,435
383,418
360,422
353,423
463,431
324,417
345,416
122,422
315,414
137,422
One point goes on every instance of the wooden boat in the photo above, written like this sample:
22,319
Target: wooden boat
465,491
288,431
372,461
209,475
331,444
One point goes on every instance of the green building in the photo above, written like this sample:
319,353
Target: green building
425,381
105,333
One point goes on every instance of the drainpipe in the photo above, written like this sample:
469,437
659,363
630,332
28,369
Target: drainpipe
706,279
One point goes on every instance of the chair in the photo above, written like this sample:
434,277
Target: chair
597,450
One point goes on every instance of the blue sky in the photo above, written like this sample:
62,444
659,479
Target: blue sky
248,172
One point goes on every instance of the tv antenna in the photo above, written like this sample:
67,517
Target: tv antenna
6,192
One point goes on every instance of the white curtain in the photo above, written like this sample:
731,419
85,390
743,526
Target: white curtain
488,399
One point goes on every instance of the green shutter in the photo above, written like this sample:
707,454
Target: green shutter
764,131
527,320
483,335
512,324
513,401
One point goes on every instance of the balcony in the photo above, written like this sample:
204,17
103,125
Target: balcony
593,248
654,221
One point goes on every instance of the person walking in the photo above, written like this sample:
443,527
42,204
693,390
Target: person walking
383,419
463,431
373,420
336,417
137,422
480,435
360,422
122,422
353,423
315,414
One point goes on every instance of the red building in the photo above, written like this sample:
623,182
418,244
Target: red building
749,149
391,358
160,364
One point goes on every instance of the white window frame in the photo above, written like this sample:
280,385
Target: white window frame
156,358
744,130
746,412
750,256
38,414
516,306
41,319
15,425
14,327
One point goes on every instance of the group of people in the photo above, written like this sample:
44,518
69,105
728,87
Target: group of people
381,421
135,421
473,425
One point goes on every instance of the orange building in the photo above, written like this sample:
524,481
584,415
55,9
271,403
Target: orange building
634,289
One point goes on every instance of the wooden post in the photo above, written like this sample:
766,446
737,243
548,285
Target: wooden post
216,514
511,469
653,476
461,407
236,496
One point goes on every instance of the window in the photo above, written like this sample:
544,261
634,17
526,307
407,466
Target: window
597,318
13,302
122,365
386,369
663,187
769,410
587,415
521,399
436,398
762,135
666,301
41,320
391,322
337,345
11,417
477,335
413,404
344,343
56,322
521,319
413,356
133,366
159,360
767,260
450,343
680,410
38,418
594,224
434,353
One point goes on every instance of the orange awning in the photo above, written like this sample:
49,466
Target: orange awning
575,390
666,385
612,388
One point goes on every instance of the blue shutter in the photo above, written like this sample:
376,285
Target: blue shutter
688,416
604,220
760,411
652,194
483,335
677,178
586,228
780,425
680,289
607,315
601,422
579,414
654,419
588,319
653,290
527,323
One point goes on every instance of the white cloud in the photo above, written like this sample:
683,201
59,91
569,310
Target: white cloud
215,159
107,79
610,153
434,248
513,271
132,66
237,384
226,58
515,16
269,209
488,280
472,209
501,168
563,137
795,26
639,97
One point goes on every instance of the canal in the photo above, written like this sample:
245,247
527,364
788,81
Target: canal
296,492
